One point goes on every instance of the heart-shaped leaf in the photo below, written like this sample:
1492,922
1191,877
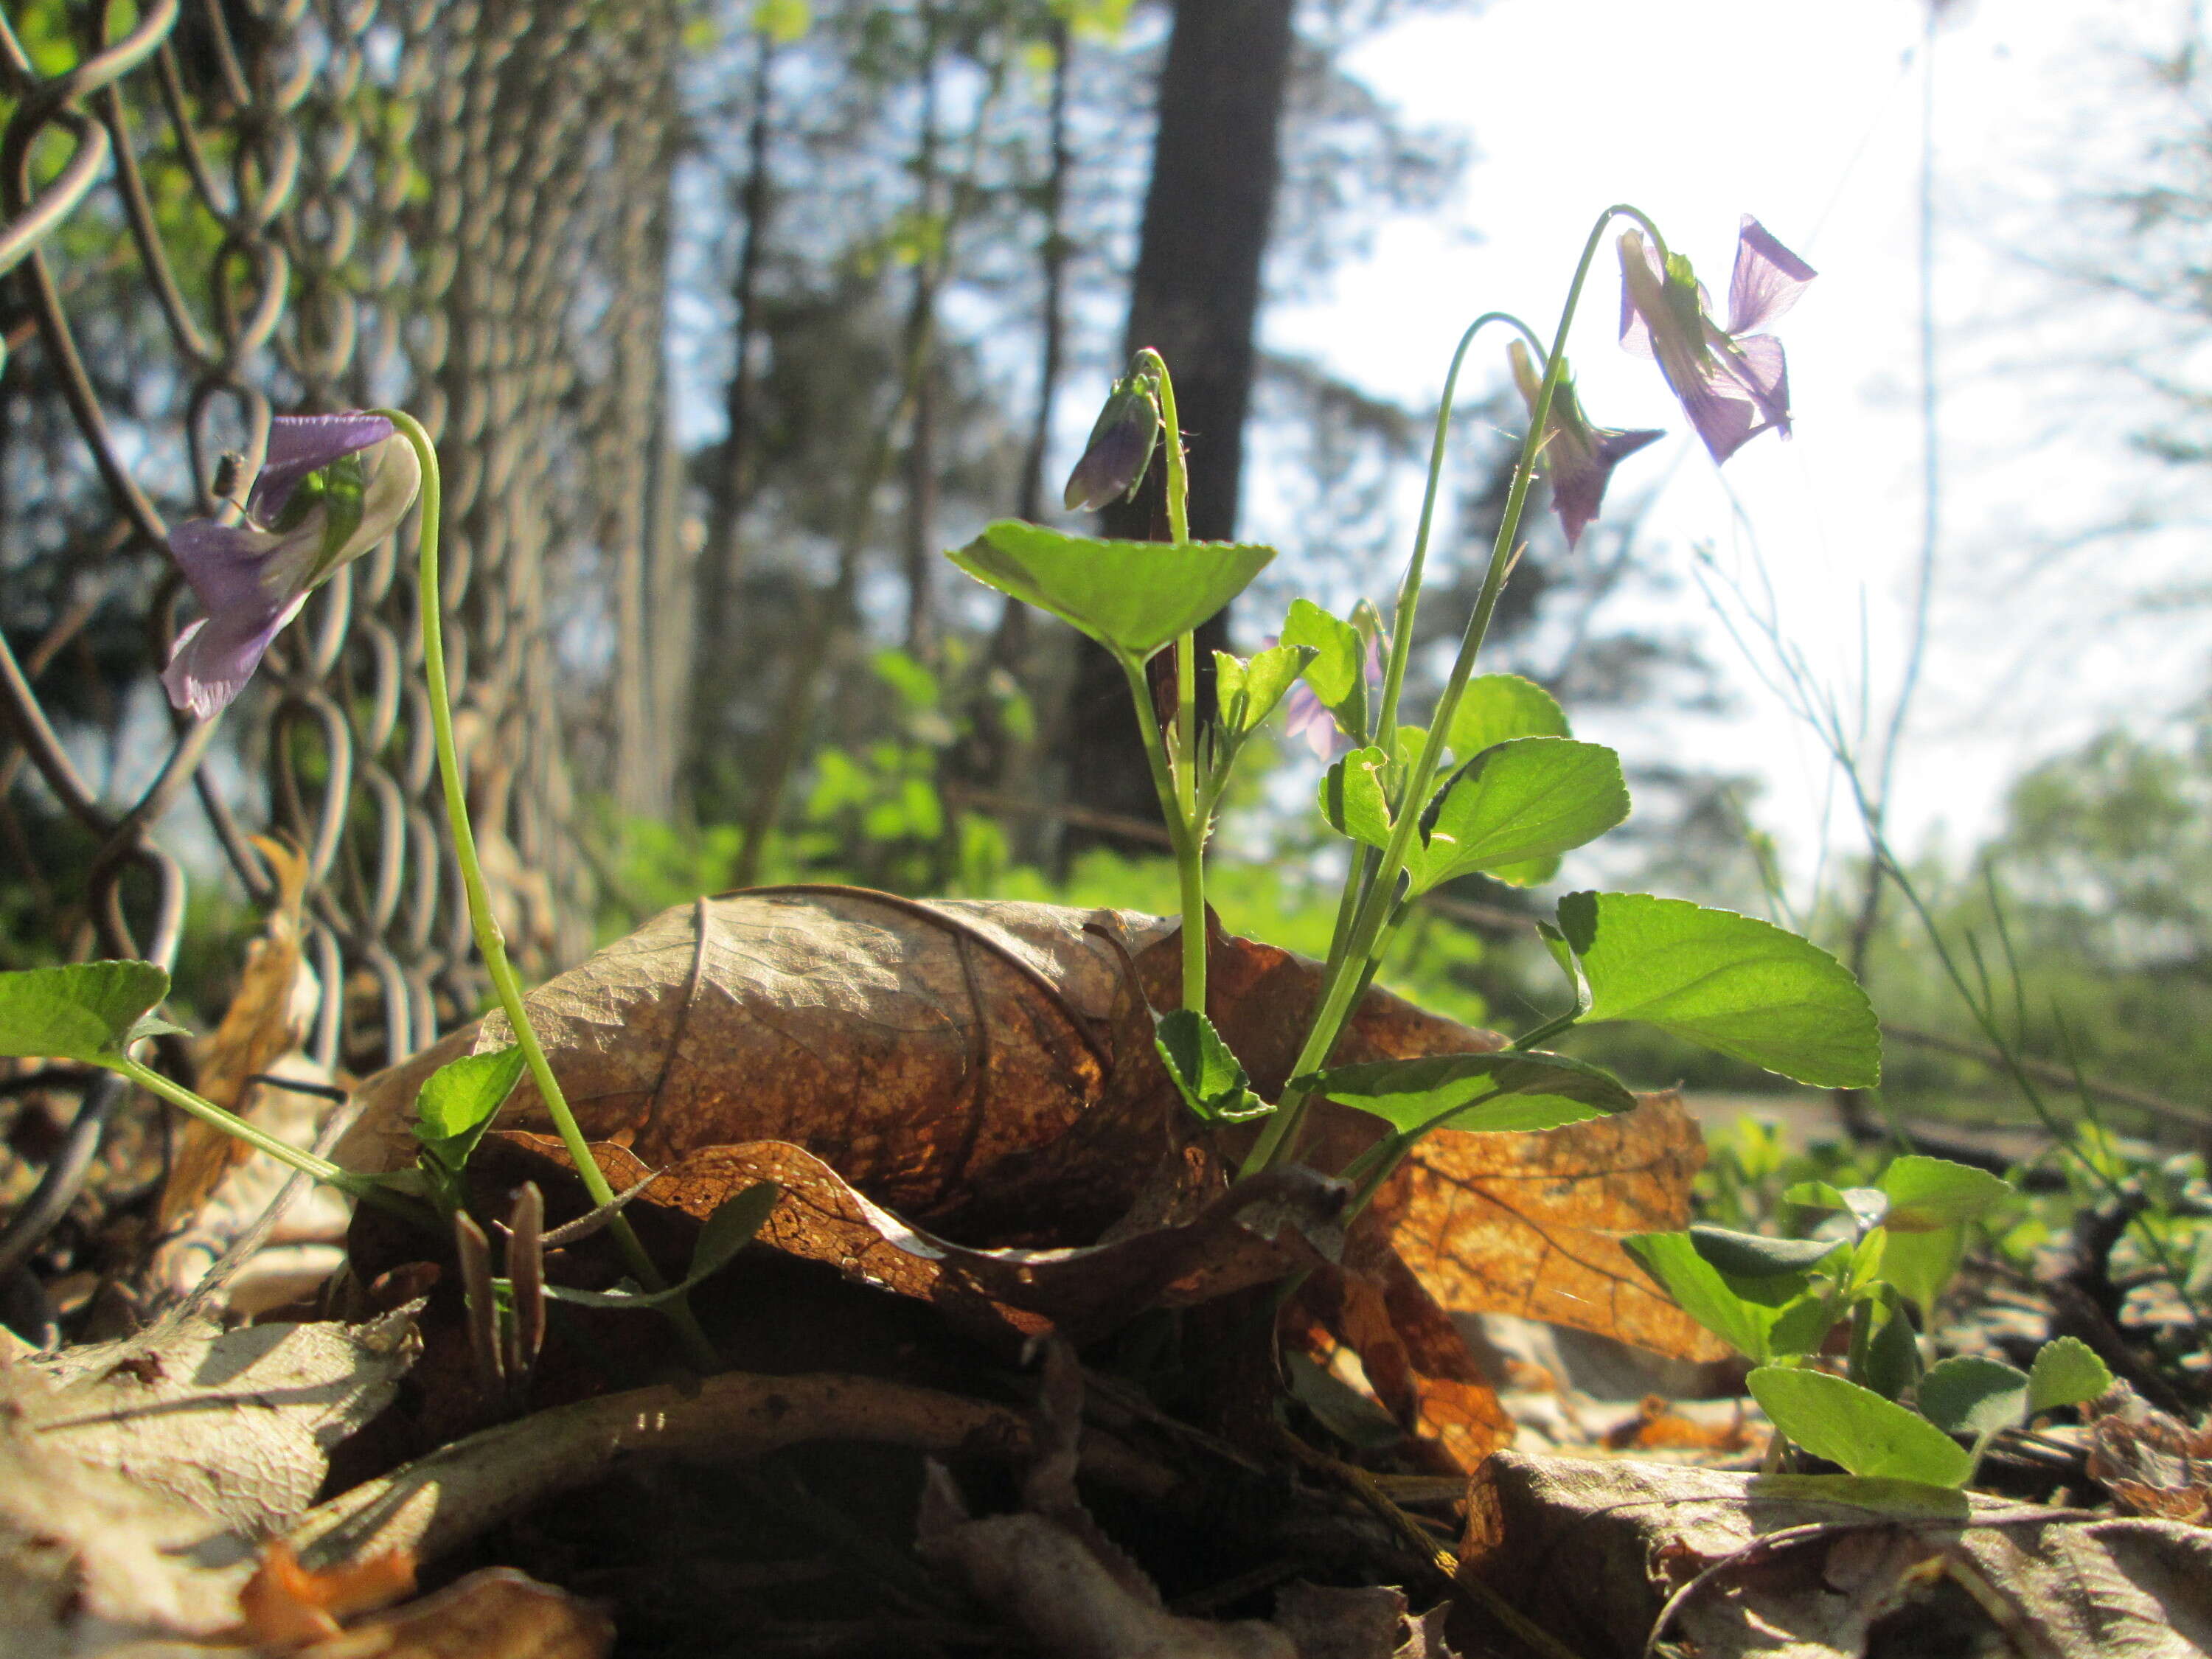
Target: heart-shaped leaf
1527,799
1736,984
1928,1192
1133,596
1765,1317
1921,1264
1483,1092
1969,1396
1247,691
1352,796
2067,1372
1855,1427
1753,1256
86,1011
1205,1072
1497,709
458,1102
1337,672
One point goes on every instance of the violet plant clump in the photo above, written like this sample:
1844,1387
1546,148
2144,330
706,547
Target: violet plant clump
1493,782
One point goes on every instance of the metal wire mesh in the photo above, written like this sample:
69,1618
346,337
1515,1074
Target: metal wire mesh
453,204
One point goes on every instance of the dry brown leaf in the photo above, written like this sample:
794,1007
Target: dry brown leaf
928,1075
1262,1230
236,1423
265,1020
2152,1463
135,1475
1757,1565
1530,1224
978,1067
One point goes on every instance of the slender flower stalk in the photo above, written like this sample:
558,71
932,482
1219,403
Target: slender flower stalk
1380,909
1192,856
1139,412
490,942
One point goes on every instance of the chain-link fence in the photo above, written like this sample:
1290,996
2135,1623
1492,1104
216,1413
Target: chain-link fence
247,205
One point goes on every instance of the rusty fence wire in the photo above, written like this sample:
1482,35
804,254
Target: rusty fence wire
236,207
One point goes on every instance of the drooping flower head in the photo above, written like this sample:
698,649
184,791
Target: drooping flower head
1732,382
1577,458
1123,440
331,488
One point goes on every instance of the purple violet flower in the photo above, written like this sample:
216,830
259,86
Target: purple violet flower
1576,458
331,488
1732,382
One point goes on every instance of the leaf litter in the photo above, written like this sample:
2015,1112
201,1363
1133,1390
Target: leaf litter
961,1105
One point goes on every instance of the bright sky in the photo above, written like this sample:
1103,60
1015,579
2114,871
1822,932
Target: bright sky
1809,117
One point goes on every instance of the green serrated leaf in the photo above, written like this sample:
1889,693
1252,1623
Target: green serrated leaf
85,1012
1338,672
1736,984
2067,1372
1247,691
1352,798
1498,707
1531,799
1763,1318
1134,597
1856,1428
1482,1093
1924,1194
1970,1395
153,1025
1204,1070
1755,1256
1922,1265
459,1101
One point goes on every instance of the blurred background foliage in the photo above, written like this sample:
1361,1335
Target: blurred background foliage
896,250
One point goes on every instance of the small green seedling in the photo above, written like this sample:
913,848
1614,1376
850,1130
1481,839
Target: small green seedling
1776,1300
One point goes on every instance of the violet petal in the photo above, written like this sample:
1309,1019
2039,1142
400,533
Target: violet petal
301,444
1766,280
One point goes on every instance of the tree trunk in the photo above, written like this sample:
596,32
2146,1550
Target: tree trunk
1196,300
721,559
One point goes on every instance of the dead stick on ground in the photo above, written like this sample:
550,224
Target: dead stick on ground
442,1501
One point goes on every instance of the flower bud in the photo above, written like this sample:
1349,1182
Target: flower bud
1122,443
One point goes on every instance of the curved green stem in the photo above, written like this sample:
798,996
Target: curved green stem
1409,589
1179,797
231,1124
490,942
352,1183
1278,1142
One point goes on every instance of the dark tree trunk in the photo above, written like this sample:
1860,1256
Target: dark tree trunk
730,484
1195,298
